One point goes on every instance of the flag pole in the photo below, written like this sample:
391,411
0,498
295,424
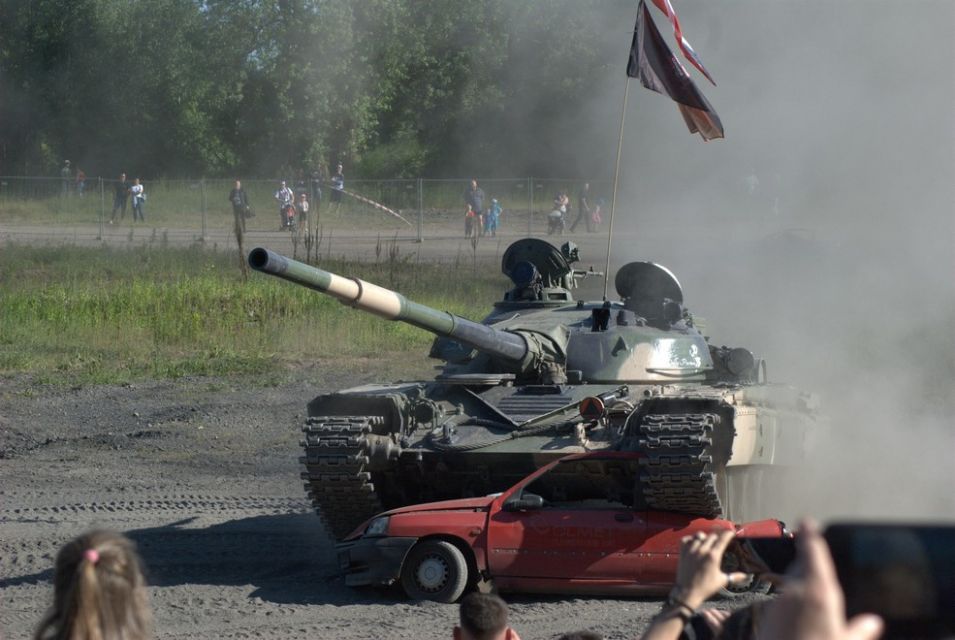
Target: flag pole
616,175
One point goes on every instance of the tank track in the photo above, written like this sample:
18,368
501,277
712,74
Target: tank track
676,471
335,459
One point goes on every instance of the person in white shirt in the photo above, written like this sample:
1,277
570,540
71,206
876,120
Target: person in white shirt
286,199
139,198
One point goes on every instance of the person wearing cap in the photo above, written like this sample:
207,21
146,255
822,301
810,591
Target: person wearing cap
492,218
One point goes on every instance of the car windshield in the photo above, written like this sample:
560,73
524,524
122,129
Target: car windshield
592,483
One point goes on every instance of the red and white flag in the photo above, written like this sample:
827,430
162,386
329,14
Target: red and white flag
688,52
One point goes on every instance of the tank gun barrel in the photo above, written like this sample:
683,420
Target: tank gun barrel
391,305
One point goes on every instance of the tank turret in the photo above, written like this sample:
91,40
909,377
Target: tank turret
544,375
524,352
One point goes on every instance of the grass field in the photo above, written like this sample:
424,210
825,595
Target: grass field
73,315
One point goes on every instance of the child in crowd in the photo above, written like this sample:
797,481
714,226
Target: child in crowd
595,217
98,591
493,218
301,210
472,222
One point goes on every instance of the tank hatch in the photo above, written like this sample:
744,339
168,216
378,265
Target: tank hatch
651,291
646,280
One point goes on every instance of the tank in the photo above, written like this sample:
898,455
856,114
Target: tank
543,376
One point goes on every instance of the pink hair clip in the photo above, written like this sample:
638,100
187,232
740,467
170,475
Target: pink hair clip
92,555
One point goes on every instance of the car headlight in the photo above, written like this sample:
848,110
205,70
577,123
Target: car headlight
378,526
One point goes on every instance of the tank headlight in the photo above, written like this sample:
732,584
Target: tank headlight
378,526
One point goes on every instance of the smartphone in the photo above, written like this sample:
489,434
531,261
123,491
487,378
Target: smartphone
766,555
905,573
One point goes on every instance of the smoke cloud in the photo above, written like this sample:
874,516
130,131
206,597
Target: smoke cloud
819,233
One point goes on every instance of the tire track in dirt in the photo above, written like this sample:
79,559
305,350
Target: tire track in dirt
148,508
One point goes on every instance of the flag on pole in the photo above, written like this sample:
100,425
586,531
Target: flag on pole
659,70
688,52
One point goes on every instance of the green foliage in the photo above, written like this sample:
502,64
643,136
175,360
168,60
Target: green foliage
224,87
99,315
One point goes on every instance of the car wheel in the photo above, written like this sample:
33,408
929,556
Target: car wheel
730,564
435,570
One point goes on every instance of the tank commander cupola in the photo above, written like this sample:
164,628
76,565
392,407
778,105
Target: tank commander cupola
651,292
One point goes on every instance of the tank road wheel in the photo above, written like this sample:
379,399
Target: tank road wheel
435,570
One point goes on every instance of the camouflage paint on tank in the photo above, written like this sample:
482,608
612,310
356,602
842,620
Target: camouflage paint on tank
712,430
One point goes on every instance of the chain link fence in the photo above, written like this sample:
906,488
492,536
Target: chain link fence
417,208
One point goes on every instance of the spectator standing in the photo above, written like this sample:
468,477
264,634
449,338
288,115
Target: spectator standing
98,591
138,193
338,186
120,197
240,205
80,182
474,198
595,213
470,222
286,200
301,184
583,209
66,176
301,210
483,617
493,217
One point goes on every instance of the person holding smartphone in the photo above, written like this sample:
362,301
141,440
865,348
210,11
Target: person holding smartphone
812,606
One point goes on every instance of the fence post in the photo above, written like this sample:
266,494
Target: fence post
420,210
202,192
530,209
102,208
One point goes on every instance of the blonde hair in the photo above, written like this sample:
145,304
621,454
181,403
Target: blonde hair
99,592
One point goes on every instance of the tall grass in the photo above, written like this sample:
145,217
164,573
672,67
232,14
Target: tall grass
78,315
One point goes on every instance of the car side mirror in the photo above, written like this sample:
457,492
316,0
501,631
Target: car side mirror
527,502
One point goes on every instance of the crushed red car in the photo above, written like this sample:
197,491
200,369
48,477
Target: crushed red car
575,526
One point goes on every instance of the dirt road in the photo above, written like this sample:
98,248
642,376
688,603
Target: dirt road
203,475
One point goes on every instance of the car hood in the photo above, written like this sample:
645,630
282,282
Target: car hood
461,504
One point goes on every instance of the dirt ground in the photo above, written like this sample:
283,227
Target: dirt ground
203,475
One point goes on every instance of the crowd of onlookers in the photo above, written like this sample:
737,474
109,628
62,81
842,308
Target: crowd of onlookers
482,219
296,198
99,593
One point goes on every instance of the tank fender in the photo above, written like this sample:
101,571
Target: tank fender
391,405
756,436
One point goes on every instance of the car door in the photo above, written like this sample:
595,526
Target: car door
586,527
664,531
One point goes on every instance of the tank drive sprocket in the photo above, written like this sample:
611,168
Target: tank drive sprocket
335,461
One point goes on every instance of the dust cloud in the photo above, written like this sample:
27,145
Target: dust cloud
819,233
